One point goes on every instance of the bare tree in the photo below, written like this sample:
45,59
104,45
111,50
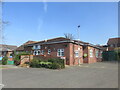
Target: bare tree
69,36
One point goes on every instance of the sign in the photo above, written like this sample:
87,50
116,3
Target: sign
85,55
1,58
10,62
63,58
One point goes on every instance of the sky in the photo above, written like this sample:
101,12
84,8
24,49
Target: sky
45,20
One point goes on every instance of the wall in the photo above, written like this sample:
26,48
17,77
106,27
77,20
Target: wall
69,50
26,58
85,51
94,58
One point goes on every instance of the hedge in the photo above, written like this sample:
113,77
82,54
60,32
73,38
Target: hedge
50,63
4,60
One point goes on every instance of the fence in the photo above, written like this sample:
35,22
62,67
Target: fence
110,56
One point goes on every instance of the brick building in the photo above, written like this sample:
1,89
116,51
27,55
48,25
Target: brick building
7,50
113,43
21,48
73,51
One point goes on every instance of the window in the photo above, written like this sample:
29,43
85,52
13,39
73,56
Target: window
34,53
36,47
91,53
97,53
112,45
38,52
101,54
76,54
42,52
60,52
49,51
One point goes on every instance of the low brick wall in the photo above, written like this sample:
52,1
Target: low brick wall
26,58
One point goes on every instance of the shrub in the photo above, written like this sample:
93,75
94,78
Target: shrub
4,60
1,62
45,64
50,63
27,63
57,61
55,66
35,63
17,57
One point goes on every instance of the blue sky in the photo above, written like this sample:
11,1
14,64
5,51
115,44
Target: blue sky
39,21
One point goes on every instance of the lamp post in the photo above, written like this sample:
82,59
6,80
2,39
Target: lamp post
78,44
78,32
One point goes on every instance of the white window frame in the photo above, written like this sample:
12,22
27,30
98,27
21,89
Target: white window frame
34,52
100,54
39,53
97,53
76,53
91,52
42,52
49,51
36,47
60,52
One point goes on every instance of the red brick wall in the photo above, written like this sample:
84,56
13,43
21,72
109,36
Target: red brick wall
69,52
93,59
69,49
85,51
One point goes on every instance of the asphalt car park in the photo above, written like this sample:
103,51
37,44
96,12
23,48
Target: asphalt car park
96,75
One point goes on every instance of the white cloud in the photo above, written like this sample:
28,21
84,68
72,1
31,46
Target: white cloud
40,23
45,7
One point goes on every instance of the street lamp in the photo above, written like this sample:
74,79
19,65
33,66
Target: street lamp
78,43
78,32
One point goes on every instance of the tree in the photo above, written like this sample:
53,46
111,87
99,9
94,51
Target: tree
69,36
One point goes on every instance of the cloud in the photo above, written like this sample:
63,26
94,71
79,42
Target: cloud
45,7
40,23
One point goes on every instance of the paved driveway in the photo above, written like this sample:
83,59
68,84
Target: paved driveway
97,75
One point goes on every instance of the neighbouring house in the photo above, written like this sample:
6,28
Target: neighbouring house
7,50
113,43
73,51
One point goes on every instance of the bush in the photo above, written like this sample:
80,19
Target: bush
50,63
17,57
57,61
35,63
4,60
17,60
55,66
1,62
45,64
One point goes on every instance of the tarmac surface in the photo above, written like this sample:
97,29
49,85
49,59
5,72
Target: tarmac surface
97,75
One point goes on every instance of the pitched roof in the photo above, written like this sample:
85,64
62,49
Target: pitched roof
21,48
113,40
50,40
61,40
4,47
